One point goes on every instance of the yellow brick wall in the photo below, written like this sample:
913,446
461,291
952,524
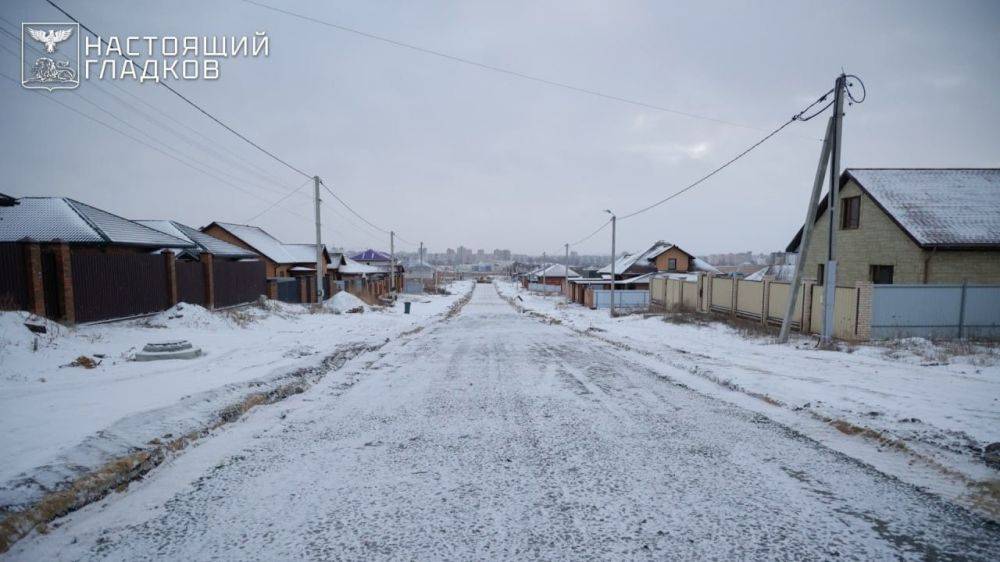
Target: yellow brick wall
879,241
662,260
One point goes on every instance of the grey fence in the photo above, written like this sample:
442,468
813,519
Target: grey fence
624,300
936,311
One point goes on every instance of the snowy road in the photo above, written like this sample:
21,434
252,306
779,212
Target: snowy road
496,436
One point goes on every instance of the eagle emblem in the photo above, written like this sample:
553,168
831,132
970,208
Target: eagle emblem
51,37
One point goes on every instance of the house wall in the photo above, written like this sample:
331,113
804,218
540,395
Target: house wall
271,268
879,241
683,260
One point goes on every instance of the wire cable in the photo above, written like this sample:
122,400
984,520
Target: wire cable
185,98
499,69
729,162
286,196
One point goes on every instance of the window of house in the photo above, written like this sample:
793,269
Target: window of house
850,212
880,274
672,264
820,274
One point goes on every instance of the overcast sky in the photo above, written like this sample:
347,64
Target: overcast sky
452,154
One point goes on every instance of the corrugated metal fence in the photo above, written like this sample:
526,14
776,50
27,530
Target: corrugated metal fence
118,285
191,282
15,293
238,282
936,311
624,300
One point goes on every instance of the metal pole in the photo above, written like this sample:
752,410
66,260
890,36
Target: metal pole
830,288
545,270
807,228
566,274
319,245
961,310
613,220
392,261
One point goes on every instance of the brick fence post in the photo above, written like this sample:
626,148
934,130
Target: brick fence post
208,273
735,295
170,260
807,306
35,284
64,269
765,301
863,322
706,293
303,289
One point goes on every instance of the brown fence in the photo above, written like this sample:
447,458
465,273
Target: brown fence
191,282
238,282
15,293
118,285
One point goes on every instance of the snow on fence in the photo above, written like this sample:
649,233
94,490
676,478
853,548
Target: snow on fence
544,288
624,300
936,311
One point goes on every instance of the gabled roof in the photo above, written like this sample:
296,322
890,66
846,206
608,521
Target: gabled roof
371,255
269,246
48,219
555,270
352,267
784,272
204,242
642,258
946,208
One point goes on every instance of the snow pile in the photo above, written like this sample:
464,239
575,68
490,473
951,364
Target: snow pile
345,302
14,333
185,315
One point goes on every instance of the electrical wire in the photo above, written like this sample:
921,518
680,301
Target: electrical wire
729,162
591,235
185,98
498,69
286,196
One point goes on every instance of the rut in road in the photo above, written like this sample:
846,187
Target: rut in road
495,436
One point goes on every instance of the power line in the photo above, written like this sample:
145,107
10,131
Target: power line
702,179
185,98
355,213
501,70
286,196
591,235
53,99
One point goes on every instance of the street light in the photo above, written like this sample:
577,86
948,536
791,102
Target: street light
613,219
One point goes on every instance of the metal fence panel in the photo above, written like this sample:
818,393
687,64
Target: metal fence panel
624,300
107,286
15,294
935,311
722,294
750,298
288,289
238,282
544,288
190,282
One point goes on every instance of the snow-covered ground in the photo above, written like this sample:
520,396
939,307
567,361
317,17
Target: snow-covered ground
493,436
61,419
935,407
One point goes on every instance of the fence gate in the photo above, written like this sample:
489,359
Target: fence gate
288,289
190,282
51,286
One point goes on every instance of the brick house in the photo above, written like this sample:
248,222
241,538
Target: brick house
203,243
280,259
660,257
918,226
65,260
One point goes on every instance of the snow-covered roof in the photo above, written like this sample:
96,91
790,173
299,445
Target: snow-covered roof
943,207
779,272
937,208
420,266
642,258
698,264
204,242
351,267
269,246
47,219
555,270
371,255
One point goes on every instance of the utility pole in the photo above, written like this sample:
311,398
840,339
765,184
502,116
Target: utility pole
807,228
613,225
566,273
829,299
830,153
319,244
392,261
545,269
